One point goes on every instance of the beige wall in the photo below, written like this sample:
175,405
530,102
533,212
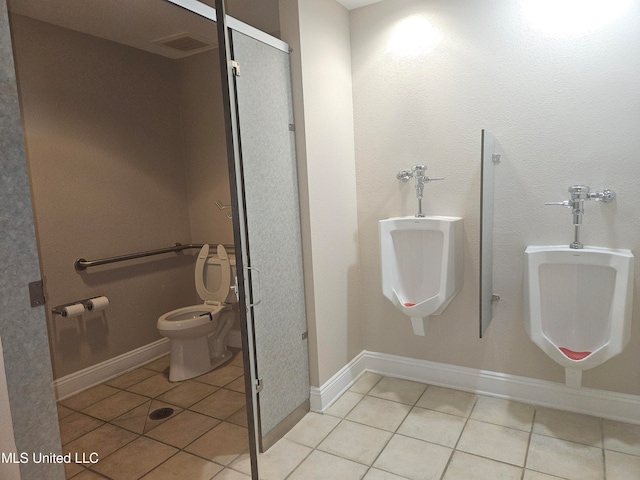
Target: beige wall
110,175
564,109
205,148
321,67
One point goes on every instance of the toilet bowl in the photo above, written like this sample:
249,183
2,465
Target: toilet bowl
198,334
578,304
422,265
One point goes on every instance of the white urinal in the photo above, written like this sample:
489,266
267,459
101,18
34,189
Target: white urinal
578,304
421,260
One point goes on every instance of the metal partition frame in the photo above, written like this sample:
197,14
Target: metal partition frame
488,159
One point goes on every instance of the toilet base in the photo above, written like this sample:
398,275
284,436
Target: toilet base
191,357
217,361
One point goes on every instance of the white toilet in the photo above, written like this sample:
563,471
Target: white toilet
578,304
198,334
422,265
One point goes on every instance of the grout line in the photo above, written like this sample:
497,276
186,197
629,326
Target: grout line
526,455
455,447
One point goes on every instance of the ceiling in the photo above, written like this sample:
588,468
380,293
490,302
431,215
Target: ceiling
143,23
352,4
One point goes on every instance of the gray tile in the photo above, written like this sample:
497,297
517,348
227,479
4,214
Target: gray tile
432,426
621,466
356,442
466,466
622,437
228,474
239,418
321,466
129,379
343,405
573,427
221,404
379,413
103,441
134,459
88,397
573,461
398,390
184,466
406,457
222,444
115,405
153,386
365,382
277,462
312,429
159,365
446,400
187,393
533,475
76,425
495,442
375,474
503,412
182,429
221,376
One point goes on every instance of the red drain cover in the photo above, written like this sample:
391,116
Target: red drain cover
574,355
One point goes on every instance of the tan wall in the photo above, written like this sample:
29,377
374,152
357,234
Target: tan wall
564,109
205,148
107,162
324,136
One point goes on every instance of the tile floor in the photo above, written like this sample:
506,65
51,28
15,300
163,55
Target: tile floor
381,429
206,432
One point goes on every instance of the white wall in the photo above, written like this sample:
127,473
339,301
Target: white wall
564,109
321,69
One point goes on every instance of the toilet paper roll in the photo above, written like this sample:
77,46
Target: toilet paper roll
73,310
97,304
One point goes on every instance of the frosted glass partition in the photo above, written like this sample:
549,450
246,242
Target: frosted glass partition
486,230
265,113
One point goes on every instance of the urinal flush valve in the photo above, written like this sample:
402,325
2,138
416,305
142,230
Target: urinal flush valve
579,194
419,173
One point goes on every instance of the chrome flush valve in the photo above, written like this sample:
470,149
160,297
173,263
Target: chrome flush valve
579,194
419,173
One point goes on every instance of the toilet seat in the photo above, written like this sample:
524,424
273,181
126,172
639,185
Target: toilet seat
216,297
196,317
204,315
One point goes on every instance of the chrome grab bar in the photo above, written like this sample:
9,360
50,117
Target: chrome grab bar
82,264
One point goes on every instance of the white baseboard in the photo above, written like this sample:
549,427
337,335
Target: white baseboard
96,374
323,397
600,403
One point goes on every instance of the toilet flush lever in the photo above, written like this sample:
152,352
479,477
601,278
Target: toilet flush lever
579,195
419,173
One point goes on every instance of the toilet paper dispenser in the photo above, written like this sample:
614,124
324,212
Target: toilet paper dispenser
92,304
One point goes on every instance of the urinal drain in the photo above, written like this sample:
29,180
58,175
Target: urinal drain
161,413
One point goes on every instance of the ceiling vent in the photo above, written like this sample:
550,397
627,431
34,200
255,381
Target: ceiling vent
185,43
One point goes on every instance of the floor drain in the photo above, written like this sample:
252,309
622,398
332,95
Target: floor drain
161,413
